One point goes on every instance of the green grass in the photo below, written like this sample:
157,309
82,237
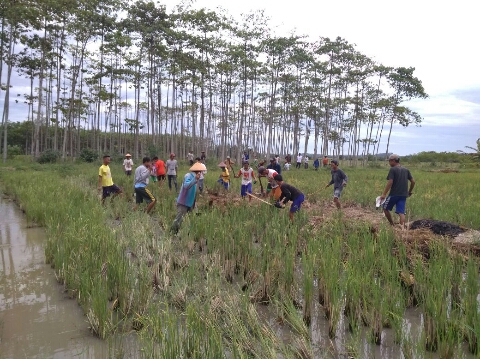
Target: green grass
198,293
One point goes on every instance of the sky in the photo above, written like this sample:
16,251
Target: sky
439,39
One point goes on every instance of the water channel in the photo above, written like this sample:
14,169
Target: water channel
37,320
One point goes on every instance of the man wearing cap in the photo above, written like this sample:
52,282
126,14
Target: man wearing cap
339,180
142,193
289,193
397,183
270,174
203,157
128,164
172,168
274,165
186,197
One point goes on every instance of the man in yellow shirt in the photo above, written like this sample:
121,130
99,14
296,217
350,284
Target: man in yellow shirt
105,181
224,178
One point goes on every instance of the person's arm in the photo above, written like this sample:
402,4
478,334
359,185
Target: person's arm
330,183
387,188
100,179
412,185
190,181
345,179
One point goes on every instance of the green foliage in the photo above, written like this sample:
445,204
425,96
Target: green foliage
88,155
49,156
13,151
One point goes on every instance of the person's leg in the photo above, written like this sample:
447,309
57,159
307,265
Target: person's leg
175,182
336,197
138,198
290,214
169,182
400,210
387,207
151,199
388,215
181,211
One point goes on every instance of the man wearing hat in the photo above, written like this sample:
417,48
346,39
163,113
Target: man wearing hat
128,164
289,193
186,197
274,165
397,183
229,164
339,180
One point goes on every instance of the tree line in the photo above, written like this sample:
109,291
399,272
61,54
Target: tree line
188,79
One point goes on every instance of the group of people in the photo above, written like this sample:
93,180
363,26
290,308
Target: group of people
395,193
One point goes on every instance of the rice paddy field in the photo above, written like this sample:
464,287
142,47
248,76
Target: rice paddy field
240,281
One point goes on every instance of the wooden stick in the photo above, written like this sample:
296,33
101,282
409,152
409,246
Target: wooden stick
251,195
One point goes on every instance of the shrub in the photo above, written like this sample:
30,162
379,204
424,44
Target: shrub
88,155
49,156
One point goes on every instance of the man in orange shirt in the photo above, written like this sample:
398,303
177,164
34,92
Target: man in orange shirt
160,165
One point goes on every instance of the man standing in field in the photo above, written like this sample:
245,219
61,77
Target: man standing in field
325,161
202,175
397,183
190,157
186,197
299,161
339,180
248,175
172,168
161,171
141,182
128,164
105,181
289,193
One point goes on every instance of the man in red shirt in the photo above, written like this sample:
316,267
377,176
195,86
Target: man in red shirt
160,165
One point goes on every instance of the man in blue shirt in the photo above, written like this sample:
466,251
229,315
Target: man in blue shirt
142,174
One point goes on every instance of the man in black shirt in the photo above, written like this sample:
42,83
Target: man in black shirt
397,184
289,193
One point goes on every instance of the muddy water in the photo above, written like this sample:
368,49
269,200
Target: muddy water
36,318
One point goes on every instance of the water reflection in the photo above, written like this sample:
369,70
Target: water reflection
36,319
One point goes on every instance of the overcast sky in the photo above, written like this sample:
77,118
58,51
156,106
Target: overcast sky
440,39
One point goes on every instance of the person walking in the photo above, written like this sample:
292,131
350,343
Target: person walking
289,193
229,164
305,161
142,193
316,164
128,164
190,157
339,181
105,181
299,161
186,197
161,171
202,176
248,175
224,178
325,161
172,168
397,183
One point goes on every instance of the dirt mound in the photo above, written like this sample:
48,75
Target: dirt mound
438,227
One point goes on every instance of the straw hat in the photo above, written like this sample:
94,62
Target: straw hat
222,164
128,155
198,167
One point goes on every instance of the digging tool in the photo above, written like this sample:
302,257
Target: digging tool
261,186
261,200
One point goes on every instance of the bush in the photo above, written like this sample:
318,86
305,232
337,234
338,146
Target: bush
88,155
13,151
49,156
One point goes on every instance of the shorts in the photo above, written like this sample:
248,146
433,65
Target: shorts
398,201
246,188
108,190
226,185
153,178
143,193
161,178
128,172
337,192
297,203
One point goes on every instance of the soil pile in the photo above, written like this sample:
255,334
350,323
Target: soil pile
438,227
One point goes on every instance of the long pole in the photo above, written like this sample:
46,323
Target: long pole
261,200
